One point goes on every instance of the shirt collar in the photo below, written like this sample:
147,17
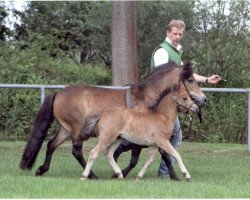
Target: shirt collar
178,46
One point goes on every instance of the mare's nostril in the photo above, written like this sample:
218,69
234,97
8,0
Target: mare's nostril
194,99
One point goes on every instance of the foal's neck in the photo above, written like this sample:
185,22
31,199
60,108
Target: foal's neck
168,107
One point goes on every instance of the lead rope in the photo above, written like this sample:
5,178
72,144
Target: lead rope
190,122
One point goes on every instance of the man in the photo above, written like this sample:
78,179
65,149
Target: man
170,50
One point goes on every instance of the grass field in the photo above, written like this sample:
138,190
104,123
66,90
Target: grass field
218,171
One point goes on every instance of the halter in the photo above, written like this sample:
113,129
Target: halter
187,107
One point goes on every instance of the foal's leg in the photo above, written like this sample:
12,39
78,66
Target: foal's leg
151,154
102,146
166,145
110,156
92,157
59,138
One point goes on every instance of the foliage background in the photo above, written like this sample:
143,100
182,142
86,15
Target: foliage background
63,42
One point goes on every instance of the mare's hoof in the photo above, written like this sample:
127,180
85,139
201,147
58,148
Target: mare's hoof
189,180
40,171
114,176
175,179
93,177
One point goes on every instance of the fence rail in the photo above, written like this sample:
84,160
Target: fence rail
44,87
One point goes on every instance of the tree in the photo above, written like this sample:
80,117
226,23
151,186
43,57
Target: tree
65,29
4,30
124,43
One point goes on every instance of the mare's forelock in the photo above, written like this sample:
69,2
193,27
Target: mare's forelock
187,71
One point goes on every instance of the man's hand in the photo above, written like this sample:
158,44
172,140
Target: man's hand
214,79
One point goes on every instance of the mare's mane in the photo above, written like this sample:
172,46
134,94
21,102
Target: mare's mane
186,71
151,84
158,72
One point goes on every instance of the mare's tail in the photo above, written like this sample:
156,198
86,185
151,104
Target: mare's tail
39,131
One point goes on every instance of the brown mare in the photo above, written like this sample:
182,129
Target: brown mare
151,128
74,105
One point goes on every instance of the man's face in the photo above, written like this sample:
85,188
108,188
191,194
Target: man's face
175,35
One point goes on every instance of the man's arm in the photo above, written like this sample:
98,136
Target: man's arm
214,79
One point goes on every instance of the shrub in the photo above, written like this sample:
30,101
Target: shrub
19,106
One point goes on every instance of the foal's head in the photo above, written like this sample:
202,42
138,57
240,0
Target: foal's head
183,100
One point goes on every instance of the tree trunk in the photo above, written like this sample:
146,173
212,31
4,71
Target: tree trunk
124,43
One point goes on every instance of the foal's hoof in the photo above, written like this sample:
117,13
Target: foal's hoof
82,178
138,178
117,176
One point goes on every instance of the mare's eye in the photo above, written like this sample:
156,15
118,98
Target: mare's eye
190,81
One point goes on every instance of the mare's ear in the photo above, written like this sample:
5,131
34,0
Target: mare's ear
187,70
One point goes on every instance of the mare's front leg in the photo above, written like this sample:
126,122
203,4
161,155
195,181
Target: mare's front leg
167,159
135,154
151,154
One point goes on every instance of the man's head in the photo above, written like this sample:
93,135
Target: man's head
175,31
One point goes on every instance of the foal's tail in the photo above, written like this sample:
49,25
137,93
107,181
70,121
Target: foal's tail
89,127
39,131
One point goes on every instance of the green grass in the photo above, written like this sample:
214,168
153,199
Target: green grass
218,171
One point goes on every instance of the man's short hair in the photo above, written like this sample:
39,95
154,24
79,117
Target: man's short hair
175,23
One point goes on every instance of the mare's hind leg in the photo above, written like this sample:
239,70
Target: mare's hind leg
135,154
151,154
77,153
167,159
59,138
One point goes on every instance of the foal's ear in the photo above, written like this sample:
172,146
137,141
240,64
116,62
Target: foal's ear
187,70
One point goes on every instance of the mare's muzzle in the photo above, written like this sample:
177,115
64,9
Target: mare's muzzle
199,100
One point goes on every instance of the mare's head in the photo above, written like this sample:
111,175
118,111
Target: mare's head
187,78
167,77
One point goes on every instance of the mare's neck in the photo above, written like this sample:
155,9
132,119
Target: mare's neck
155,86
